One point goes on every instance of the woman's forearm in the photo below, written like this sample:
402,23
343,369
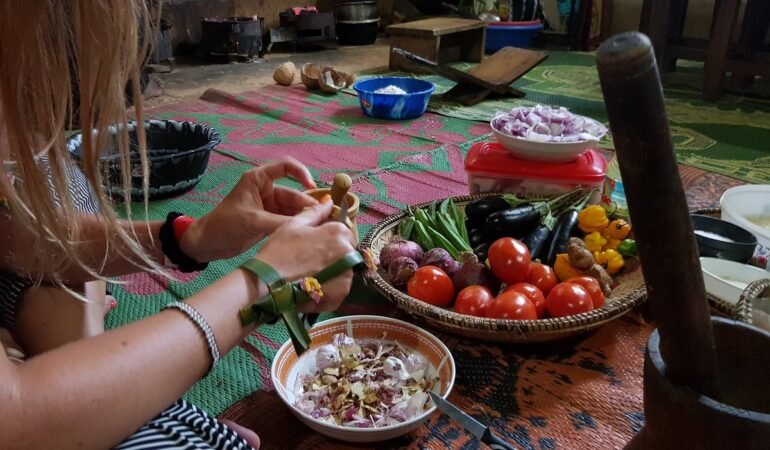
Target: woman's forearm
134,372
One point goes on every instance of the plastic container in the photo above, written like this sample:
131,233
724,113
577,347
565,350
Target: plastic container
394,106
511,34
491,168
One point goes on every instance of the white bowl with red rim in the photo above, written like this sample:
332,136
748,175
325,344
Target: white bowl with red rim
287,367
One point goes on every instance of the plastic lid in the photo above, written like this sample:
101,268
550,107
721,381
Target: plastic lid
493,158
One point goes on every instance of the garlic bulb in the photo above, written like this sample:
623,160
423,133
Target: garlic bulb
327,356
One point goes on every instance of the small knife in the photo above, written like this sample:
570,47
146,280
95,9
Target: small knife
473,426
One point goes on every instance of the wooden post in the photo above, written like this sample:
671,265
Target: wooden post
658,207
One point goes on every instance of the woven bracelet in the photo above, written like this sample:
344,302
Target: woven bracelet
203,326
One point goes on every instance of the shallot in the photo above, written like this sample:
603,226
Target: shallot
401,270
440,258
472,272
398,246
546,124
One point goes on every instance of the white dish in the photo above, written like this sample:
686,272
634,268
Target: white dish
287,367
726,280
555,152
741,202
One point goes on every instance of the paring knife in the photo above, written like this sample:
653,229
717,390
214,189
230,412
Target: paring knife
473,426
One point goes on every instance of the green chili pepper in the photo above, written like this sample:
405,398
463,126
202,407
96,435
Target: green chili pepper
422,237
627,248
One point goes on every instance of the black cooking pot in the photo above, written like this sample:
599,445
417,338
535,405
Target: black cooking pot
178,154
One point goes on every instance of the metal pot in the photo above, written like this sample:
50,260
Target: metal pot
356,12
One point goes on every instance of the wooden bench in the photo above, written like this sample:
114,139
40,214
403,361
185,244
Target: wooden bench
441,40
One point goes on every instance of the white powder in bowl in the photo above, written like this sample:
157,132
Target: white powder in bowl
391,90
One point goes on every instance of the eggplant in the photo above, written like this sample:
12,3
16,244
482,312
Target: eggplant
478,210
566,223
512,222
476,237
536,240
481,251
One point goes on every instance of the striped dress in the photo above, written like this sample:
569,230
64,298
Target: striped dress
181,426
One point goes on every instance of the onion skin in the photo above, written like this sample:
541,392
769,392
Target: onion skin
472,272
440,258
401,270
399,246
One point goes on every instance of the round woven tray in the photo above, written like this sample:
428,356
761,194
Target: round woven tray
629,293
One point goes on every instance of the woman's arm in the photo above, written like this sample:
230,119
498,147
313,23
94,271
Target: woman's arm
253,209
92,394
96,392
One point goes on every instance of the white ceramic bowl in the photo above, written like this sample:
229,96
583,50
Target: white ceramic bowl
726,280
741,202
555,152
287,367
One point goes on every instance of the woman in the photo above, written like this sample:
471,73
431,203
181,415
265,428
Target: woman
114,388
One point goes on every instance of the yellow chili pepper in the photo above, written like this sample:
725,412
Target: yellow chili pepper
619,229
564,271
593,218
611,260
611,244
594,242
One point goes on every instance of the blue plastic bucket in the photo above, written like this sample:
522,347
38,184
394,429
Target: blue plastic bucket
394,106
511,34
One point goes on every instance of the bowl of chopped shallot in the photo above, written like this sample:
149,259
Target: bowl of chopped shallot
364,378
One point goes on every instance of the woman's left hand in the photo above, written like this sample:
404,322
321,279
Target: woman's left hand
252,210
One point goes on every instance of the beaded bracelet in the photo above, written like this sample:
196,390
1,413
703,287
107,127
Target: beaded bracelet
202,325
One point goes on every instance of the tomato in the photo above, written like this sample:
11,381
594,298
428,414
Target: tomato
509,260
542,277
567,299
473,300
512,305
593,288
533,294
431,285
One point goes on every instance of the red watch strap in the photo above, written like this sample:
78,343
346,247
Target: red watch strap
180,225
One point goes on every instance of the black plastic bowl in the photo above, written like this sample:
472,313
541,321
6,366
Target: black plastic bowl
741,249
178,155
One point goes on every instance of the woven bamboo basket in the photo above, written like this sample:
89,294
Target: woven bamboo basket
629,293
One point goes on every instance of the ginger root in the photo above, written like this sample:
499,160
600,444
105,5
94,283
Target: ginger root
581,259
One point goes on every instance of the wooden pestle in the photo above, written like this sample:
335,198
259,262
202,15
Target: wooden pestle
340,187
658,207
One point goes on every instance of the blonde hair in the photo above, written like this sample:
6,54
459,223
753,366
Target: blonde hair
46,48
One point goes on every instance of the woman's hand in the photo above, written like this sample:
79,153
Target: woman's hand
304,246
254,209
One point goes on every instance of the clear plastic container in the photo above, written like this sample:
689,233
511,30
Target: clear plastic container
491,168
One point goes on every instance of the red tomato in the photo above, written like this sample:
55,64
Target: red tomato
567,299
512,305
431,285
473,301
593,288
509,260
542,277
533,294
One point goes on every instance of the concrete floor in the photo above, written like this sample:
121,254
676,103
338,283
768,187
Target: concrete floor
192,77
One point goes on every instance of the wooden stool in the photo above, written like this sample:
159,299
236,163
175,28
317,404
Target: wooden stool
441,40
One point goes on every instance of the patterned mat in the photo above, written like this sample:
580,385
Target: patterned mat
583,393
731,137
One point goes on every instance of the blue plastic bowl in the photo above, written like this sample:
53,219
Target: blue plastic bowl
390,106
511,34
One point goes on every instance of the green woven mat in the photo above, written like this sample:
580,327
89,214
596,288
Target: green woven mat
731,137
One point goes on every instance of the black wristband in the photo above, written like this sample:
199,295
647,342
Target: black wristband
171,248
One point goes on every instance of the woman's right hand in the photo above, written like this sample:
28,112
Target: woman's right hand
305,245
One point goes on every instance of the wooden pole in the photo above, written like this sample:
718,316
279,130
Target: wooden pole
658,207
